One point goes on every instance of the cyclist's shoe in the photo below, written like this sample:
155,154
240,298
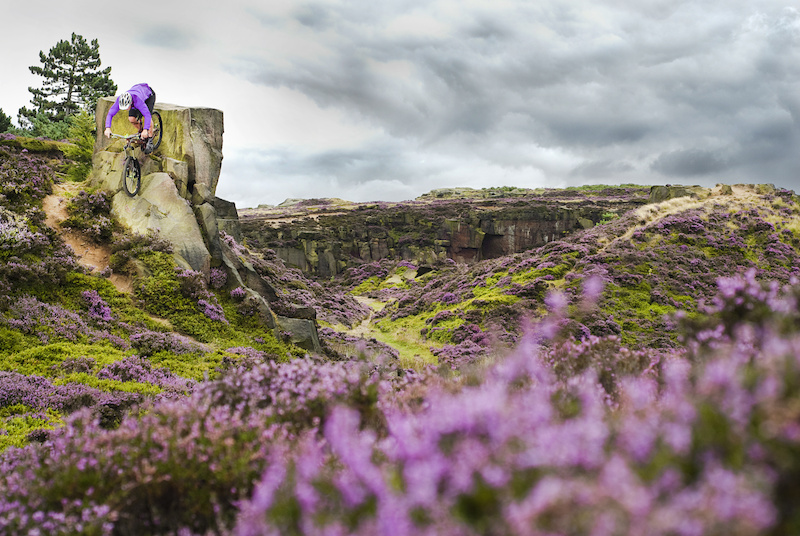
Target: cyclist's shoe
148,147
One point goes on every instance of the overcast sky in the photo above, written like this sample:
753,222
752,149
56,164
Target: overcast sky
386,100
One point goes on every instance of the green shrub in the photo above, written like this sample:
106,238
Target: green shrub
81,133
11,340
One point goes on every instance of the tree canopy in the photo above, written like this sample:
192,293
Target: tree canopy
73,80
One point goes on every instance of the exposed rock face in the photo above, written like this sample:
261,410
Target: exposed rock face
228,218
302,327
178,201
159,207
659,194
178,181
328,238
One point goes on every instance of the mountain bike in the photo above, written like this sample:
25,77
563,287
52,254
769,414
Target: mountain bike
132,171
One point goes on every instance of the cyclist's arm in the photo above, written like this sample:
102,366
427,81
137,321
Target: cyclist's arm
112,112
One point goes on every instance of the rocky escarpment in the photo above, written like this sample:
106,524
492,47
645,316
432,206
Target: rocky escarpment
177,201
325,237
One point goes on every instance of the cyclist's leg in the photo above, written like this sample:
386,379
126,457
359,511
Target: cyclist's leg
151,104
151,101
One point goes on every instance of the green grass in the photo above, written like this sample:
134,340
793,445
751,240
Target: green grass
45,360
36,145
18,421
413,352
368,285
102,384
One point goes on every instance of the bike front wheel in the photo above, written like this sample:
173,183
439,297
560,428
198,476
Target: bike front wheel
158,129
131,176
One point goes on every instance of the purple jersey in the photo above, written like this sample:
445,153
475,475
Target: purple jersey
139,94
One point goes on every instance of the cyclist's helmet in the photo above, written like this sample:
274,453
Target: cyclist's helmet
125,101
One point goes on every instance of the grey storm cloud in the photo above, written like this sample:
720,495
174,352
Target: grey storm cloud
689,163
352,166
619,90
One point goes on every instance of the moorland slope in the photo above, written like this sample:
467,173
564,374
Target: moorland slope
642,371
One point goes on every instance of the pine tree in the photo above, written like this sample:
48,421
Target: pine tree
73,81
5,121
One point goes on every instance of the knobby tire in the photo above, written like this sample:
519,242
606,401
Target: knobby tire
131,176
158,130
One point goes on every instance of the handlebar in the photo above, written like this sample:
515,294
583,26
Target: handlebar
128,137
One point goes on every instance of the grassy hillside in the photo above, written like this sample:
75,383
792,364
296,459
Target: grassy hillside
640,377
74,340
639,270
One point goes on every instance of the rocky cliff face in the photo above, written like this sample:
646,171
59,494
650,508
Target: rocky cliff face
324,238
178,202
179,181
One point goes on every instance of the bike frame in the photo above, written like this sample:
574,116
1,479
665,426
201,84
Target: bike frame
130,140
132,161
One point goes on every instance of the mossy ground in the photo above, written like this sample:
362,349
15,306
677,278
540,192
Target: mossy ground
158,306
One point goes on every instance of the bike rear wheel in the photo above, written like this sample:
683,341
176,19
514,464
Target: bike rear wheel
131,176
157,128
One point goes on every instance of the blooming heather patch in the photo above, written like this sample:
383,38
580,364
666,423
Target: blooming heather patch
698,442
138,369
91,214
482,459
25,179
53,322
31,256
39,393
148,342
218,278
99,311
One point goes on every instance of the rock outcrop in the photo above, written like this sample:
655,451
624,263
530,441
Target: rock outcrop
177,201
659,194
179,181
325,238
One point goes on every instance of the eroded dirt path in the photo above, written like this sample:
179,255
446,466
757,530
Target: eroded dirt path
364,329
92,256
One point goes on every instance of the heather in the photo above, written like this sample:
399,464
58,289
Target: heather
637,377
702,441
91,213
72,341
30,253
650,263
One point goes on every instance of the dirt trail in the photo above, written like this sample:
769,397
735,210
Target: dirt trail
364,328
90,255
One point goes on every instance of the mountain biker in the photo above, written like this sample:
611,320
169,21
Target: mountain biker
139,101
